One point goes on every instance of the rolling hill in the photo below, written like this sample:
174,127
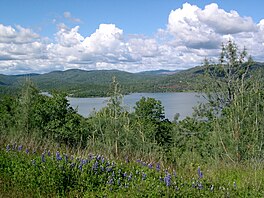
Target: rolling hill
80,83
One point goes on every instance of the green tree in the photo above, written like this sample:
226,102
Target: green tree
227,78
151,117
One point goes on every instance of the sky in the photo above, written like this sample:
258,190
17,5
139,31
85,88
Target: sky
39,36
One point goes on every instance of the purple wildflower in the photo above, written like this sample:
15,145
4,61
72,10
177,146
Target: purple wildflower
58,157
158,167
8,148
102,168
80,167
200,186
27,151
111,181
118,182
49,154
20,148
124,174
130,177
200,174
167,179
43,157
144,176
98,157
95,166
150,165
108,169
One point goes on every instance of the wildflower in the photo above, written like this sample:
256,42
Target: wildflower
130,177
102,168
200,186
27,151
113,173
144,176
58,157
118,182
8,148
107,163
95,166
108,169
200,174
158,167
167,179
80,167
102,159
49,154
90,156
43,157
150,165
84,161
98,157
111,181
20,148
124,174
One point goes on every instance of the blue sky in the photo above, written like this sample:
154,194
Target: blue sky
41,36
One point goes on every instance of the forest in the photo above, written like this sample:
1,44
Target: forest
48,149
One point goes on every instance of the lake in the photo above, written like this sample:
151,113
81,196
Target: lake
179,102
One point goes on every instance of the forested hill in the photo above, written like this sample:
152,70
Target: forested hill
82,83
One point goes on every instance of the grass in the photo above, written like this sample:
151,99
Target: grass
38,172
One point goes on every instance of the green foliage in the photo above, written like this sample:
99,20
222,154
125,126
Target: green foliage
27,173
228,77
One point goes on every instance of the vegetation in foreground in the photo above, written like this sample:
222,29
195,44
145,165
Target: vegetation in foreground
216,153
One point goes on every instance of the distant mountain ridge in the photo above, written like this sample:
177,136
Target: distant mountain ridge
82,83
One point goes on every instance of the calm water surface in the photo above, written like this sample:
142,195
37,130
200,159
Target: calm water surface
173,103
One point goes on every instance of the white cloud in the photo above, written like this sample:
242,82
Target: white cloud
225,22
192,33
16,35
67,15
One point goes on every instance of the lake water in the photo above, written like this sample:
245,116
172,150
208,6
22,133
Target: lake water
173,103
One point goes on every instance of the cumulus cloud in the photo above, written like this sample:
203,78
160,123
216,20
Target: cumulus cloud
191,34
16,35
225,22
